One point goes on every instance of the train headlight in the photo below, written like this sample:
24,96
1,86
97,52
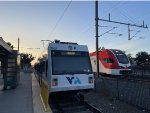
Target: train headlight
91,80
121,67
55,82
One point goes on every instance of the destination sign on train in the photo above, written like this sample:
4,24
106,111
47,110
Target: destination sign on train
70,53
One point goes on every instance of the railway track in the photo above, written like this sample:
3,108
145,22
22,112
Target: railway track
71,104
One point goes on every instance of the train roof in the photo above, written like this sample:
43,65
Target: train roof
108,49
66,46
113,50
116,51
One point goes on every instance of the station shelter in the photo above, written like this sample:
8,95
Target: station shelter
9,65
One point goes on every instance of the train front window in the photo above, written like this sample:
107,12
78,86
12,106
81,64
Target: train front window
122,58
69,62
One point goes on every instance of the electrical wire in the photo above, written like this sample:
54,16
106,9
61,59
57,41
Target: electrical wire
60,18
107,31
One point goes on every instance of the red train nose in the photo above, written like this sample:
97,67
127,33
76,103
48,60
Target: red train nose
121,67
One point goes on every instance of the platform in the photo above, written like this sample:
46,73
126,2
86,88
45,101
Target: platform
24,99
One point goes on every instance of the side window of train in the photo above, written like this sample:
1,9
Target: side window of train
111,60
108,60
105,60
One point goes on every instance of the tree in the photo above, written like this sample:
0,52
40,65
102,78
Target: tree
142,57
26,59
101,48
130,57
149,58
44,57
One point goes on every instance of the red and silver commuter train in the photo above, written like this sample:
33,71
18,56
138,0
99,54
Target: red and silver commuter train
111,62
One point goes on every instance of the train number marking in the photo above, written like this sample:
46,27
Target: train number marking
73,80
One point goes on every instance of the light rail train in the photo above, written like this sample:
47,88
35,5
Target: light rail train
65,66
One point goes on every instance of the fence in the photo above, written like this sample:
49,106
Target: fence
132,89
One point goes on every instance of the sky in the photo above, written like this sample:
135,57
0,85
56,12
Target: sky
74,21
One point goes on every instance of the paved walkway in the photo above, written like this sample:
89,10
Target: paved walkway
24,99
17,100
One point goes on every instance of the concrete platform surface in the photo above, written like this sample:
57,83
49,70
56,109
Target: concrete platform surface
17,100
24,99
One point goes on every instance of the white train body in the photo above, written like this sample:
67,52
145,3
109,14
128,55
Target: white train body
68,67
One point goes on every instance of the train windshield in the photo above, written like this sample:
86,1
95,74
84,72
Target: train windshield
122,58
70,62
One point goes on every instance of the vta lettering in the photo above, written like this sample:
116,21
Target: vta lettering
73,80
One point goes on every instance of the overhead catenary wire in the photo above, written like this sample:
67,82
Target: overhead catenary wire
122,34
122,12
134,24
129,18
107,31
141,18
89,26
135,34
125,43
114,6
60,18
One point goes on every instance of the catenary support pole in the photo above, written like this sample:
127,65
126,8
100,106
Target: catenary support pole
96,27
18,44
